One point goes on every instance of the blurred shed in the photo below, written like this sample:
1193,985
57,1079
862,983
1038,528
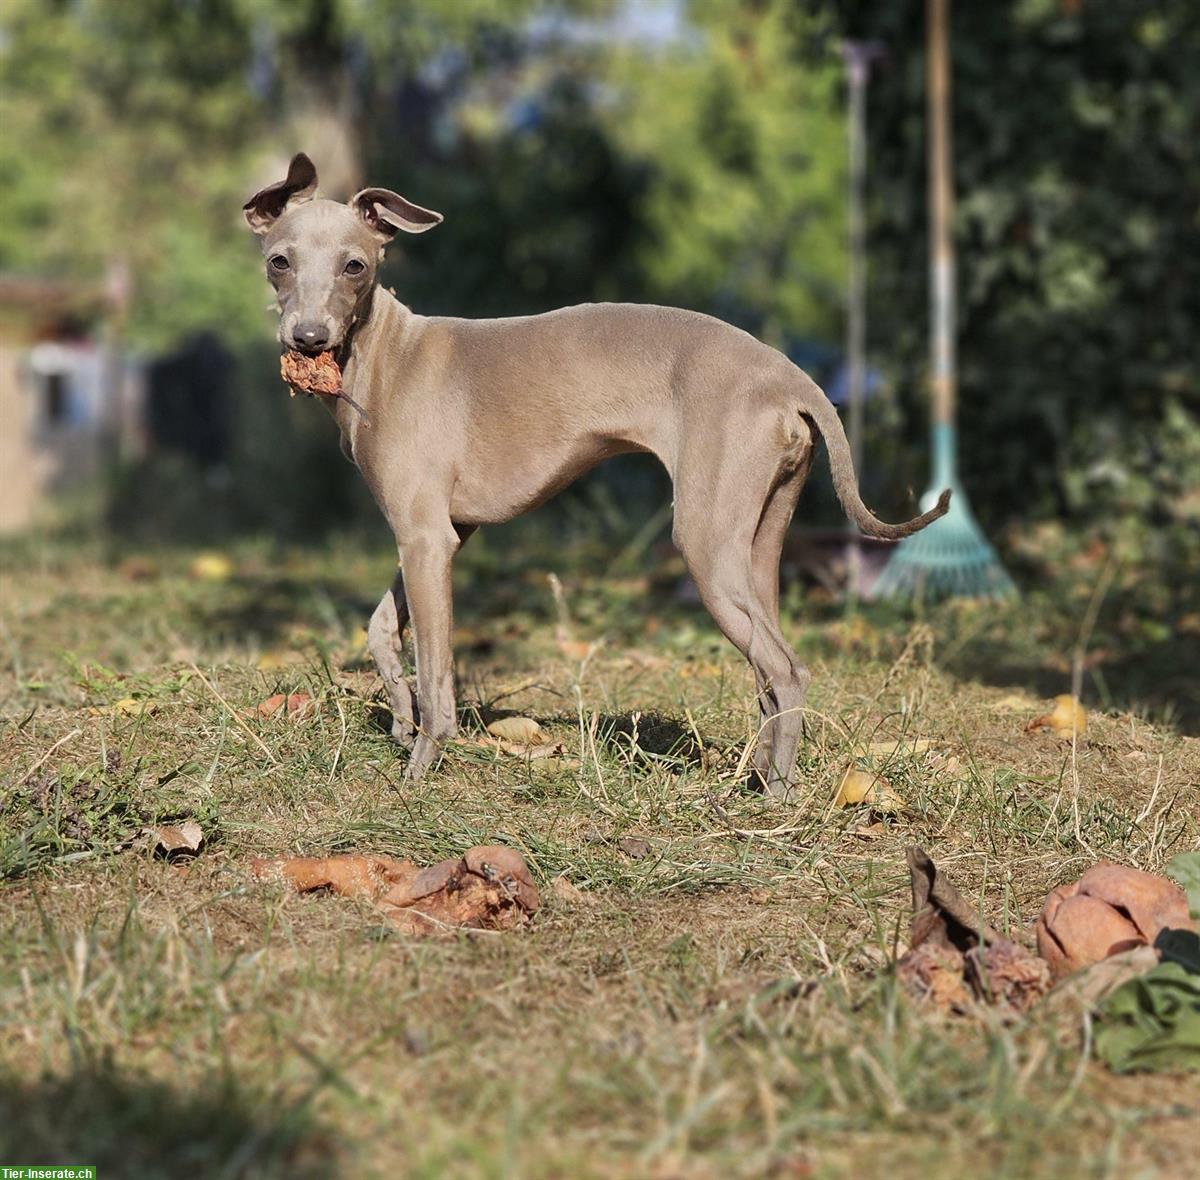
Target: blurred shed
70,400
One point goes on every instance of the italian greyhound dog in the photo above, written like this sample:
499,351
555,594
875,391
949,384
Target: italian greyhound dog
474,422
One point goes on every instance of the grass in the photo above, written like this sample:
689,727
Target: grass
720,1006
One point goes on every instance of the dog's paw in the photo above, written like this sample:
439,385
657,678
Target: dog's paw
404,733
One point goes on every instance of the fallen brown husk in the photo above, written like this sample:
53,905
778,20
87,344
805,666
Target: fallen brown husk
955,957
1110,909
489,888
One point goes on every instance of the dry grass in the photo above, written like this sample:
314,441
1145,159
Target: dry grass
719,1007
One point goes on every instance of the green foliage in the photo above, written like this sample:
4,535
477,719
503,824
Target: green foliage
392,33
73,816
1140,491
285,475
537,216
128,135
741,132
133,130
1079,244
1129,480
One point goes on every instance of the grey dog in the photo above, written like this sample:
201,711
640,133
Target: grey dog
473,422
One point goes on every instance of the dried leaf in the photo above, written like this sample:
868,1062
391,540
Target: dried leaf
559,761
297,705
523,750
1005,973
1015,702
349,876
271,705
1066,720
570,894
300,706
955,957
940,912
934,973
634,847
1110,909
319,374
135,706
277,658
875,831
1084,990
578,650
861,786
211,567
899,747
187,836
138,569
523,730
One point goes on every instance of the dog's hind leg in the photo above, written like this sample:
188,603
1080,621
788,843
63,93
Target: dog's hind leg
772,528
765,554
718,551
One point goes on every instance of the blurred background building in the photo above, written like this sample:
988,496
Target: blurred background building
71,403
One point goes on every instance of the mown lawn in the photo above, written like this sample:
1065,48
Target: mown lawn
718,1003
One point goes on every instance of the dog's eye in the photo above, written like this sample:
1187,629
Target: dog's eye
278,262
354,267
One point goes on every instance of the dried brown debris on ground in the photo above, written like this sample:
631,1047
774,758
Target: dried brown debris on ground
487,888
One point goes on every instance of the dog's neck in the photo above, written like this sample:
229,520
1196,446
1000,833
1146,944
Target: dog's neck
367,325
380,321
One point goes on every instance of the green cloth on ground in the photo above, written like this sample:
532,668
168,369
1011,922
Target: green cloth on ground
1153,1022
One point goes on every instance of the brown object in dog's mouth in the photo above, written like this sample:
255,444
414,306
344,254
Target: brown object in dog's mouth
318,376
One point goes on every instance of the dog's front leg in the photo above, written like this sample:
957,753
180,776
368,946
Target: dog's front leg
385,640
425,561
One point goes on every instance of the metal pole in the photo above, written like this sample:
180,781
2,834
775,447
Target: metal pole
857,71
941,241
858,56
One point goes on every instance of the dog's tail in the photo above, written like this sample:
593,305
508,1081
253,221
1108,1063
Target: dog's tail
841,466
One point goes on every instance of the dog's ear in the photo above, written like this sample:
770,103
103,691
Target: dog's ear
386,212
265,207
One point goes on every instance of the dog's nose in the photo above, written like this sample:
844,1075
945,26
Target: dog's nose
314,336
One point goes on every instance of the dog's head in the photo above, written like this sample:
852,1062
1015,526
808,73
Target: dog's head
321,255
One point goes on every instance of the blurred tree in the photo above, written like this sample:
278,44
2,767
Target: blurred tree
132,127
540,204
127,131
1077,168
740,127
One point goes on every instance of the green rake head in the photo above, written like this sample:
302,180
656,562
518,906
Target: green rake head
950,558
